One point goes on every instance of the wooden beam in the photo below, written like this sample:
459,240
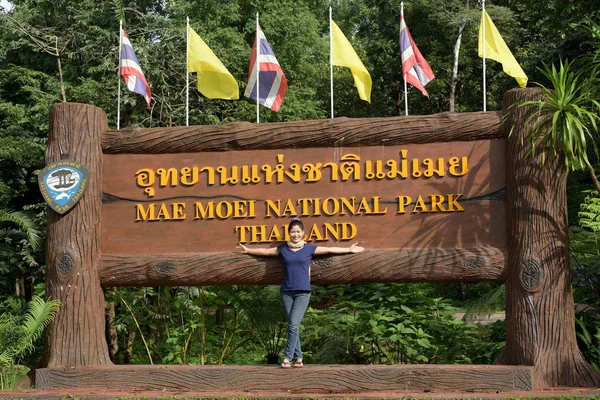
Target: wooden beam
409,265
313,378
338,132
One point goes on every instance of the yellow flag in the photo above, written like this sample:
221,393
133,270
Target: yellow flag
214,81
496,49
344,55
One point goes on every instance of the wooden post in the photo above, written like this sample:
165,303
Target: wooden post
76,337
540,317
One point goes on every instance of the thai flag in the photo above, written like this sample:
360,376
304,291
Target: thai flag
414,67
271,80
131,70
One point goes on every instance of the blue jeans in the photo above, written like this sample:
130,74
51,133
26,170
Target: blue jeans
295,304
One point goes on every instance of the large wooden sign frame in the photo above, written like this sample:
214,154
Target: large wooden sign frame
518,235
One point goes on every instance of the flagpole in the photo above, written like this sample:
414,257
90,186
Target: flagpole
404,75
331,61
119,76
187,72
257,64
483,45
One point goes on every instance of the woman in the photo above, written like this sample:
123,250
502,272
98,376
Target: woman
295,287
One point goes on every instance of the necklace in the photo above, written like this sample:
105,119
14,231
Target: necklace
296,246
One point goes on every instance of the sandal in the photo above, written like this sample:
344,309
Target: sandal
298,364
286,364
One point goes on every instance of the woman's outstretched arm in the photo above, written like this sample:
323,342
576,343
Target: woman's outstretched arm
271,251
339,250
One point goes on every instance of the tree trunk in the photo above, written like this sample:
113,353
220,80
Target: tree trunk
454,81
594,179
60,72
111,332
540,317
442,289
20,290
462,290
129,348
399,100
76,336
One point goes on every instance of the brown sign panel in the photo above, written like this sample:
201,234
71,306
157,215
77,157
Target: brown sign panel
435,195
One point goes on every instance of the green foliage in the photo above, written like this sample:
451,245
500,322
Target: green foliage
183,325
589,216
18,334
25,222
20,244
565,119
392,323
588,335
262,306
585,253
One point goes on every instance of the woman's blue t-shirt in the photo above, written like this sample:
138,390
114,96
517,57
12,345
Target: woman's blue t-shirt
296,266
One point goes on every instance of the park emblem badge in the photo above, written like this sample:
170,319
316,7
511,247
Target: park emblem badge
62,184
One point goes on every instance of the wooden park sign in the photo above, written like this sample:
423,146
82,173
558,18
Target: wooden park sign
445,197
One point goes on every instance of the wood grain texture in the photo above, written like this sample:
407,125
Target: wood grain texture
311,379
444,127
76,336
540,321
423,265
480,191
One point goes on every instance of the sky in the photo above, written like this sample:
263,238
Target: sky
5,4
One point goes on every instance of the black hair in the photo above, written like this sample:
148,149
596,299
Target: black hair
294,222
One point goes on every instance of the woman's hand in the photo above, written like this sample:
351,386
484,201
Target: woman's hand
355,248
244,248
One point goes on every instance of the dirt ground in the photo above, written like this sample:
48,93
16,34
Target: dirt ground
95,394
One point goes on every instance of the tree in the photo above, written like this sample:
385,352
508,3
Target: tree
566,118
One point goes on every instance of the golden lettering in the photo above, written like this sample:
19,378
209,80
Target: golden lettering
317,206
403,201
144,214
350,167
348,205
278,233
315,234
272,207
251,211
289,209
453,201
437,200
163,212
166,212
243,209
242,230
224,209
202,212
259,233
274,236
329,229
330,202
439,203
420,204
239,209
376,209
178,213
349,230
304,204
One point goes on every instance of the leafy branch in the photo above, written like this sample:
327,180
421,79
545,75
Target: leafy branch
565,119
